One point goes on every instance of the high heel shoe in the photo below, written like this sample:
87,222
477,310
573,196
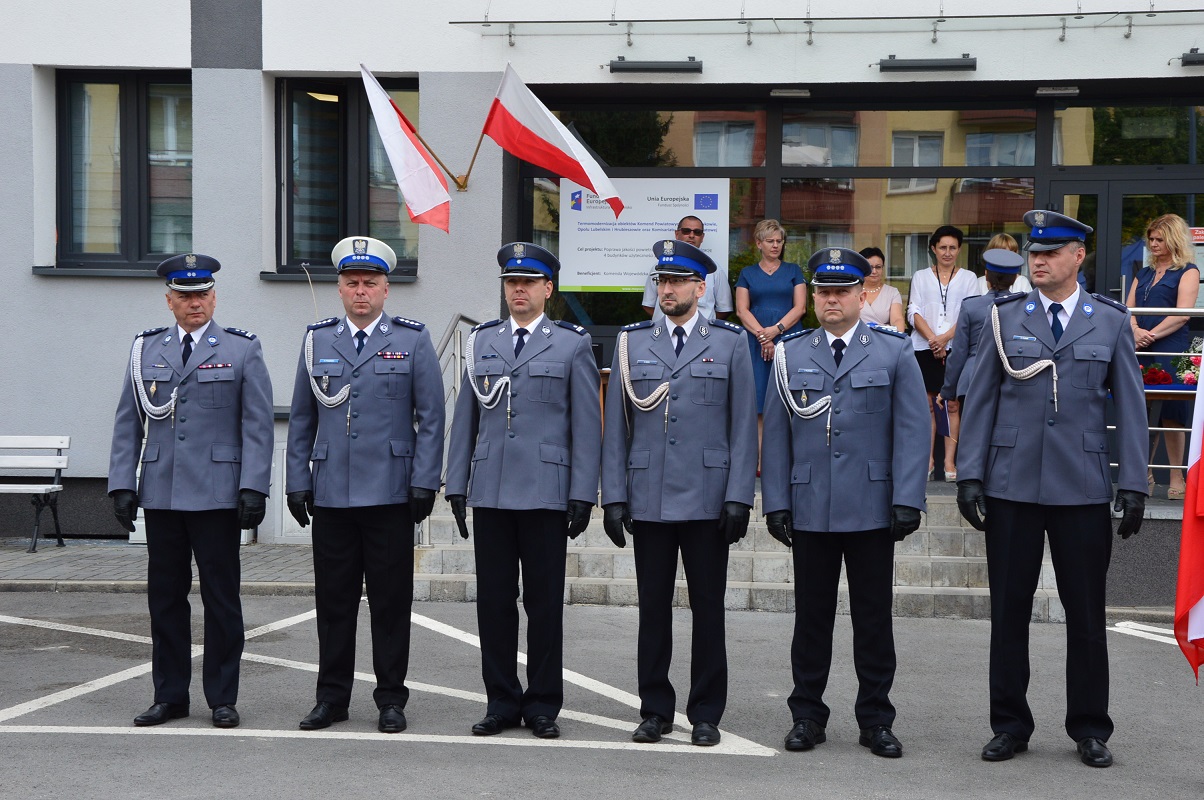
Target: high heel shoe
1176,492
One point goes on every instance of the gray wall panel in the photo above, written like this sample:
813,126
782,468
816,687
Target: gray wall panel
227,34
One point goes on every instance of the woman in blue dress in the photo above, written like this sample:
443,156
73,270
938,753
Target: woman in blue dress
1170,280
771,299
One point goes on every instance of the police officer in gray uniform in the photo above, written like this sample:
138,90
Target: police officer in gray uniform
201,395
679,462
365,449
524,455
1002,267
1033,460
842,477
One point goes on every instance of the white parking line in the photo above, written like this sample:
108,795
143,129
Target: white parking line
1142,631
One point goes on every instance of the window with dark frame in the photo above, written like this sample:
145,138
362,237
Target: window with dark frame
335,178
124,168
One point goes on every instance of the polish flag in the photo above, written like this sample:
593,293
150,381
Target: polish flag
524,127
1189,596
421,184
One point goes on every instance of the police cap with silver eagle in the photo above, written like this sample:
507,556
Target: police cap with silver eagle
189,272
526,260
363,253
682,259
837,266
1050,230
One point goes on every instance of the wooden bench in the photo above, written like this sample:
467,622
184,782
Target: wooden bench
44,494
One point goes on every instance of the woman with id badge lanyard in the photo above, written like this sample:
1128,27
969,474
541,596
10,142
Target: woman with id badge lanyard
933,305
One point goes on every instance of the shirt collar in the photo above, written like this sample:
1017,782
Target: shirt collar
367,329
847,338
687,326
196,335
1068,305
531,326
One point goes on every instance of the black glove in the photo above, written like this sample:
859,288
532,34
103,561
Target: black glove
459,507
252,505
780,525
616,518
733,521
421,503
125,507
972,502
578,517
301,506
904,520
1131,504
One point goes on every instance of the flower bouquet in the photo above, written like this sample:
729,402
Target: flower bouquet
1187,367
1155,375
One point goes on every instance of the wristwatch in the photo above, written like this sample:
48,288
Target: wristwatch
781,328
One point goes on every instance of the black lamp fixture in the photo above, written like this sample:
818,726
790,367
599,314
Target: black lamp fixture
621,64
1193,58
963,64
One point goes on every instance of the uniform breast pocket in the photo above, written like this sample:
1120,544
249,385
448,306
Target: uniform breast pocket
809,383
710,383
1020,354
216,387
646,377
328,371
392,378
871,390
547,381
159,377
486,374
1091,363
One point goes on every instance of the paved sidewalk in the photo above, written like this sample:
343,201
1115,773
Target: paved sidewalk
117,566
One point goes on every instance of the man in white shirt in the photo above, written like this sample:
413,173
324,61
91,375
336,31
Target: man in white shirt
716,301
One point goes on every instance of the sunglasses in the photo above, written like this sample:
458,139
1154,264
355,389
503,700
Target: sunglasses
691,231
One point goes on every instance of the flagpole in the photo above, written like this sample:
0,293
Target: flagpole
435,156
462,181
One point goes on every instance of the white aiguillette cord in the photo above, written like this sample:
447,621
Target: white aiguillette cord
491,398
658,395
152,411
1032,369
782,381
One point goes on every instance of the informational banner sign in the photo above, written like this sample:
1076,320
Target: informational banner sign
599,253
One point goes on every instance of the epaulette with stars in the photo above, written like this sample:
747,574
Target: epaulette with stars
240,332
485,325
635,326
1007,298
731,326
571,327
1110,301
151,332
322,323
796,334
887,331
409,323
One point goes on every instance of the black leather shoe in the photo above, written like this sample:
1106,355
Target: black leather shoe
322,716
881,741
1094,753
392,720
543,727
493,723
651,730
805,735
160,713
705,734
225,717
1003,747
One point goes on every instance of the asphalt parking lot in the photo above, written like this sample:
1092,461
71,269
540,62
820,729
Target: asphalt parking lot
76,672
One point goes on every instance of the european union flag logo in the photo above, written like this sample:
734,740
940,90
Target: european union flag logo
706,202
575,198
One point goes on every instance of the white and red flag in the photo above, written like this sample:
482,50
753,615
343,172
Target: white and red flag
524,127
422,186
1189,595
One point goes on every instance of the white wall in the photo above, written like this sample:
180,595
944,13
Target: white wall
87,33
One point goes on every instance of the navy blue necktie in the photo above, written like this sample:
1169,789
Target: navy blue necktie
838,350
360,338
1056,324
187,349
680,333
521,333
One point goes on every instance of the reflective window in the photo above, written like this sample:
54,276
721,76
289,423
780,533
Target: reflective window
915,150
95,167
1130,135
169,167
640,138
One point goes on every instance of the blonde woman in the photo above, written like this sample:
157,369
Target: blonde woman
1169,279
1005,241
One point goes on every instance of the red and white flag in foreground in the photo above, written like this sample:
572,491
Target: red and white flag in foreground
524,127
422,186
1189,596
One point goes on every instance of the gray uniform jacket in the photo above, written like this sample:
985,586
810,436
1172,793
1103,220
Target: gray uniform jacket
683,464
220,438
876,456
388,434
963,351
1014,441
546,450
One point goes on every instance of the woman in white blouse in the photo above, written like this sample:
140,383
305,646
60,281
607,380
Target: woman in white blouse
933,304
883,303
